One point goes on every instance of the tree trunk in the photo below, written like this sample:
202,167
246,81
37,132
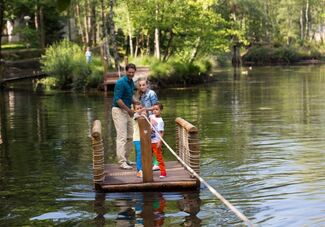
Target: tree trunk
87,23
78,18
105,49
113,37
307,20
169,44
130,33
2,6
157,47
302,35
195,50
148,45
42,29
93,25
38,20
136,46
236,59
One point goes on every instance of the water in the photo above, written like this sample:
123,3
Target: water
262,147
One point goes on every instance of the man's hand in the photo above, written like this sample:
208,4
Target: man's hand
130,112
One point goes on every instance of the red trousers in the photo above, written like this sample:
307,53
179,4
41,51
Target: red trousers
158,153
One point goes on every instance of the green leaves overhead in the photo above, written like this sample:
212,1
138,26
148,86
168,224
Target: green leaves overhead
63,4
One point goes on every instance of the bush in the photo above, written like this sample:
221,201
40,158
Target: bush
28,35
283,54
177,72
66,62
96,77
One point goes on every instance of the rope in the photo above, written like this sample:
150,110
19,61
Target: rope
212,190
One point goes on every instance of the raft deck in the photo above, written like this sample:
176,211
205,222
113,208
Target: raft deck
116,179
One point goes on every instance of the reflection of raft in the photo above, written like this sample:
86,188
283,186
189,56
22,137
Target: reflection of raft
110,177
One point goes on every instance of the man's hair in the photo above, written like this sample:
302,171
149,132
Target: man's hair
130,66
161,107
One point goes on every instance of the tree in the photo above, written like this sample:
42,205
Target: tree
2,9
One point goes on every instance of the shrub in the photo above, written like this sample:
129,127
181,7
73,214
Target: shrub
28,35
66,62
283,54
176,71
96,76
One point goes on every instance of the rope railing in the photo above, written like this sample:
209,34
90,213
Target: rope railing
188,144
98,153
182,150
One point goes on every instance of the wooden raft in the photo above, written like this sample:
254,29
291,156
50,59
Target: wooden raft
117,179
110,178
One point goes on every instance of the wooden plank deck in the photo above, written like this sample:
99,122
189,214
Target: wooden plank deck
178,179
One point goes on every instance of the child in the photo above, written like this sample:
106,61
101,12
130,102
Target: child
138,108
147,98
88,55
155,138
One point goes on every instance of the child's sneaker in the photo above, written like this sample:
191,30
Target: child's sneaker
139,174
155,168
163,175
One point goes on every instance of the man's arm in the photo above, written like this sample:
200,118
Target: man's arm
122,105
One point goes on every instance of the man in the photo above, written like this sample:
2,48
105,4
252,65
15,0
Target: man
122,116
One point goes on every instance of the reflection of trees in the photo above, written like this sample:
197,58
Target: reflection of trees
5,162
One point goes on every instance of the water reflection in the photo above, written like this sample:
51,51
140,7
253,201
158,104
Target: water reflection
147,208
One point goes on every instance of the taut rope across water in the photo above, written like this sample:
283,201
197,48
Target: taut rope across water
212,190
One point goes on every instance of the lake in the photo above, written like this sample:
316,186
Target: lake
262,147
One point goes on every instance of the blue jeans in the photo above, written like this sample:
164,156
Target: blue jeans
137,146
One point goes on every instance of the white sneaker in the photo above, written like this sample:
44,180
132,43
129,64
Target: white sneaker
130,163
124,165
155,168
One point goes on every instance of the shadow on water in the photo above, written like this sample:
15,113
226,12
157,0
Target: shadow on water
147,208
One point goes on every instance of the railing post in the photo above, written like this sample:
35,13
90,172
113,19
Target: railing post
146,150
194,151
188,144
98,153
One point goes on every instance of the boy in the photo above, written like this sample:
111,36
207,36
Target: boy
138,108
158,129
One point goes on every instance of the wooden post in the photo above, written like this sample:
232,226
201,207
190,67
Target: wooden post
194,148
192,156
146,151
98,153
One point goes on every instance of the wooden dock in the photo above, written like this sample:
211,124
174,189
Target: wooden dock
117,179
110,178
110,78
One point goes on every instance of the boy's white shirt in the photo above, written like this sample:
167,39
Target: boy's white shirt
136,130
159,126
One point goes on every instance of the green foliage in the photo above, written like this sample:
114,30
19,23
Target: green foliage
286,54
178,72
95,79
28,35
63,4
66,62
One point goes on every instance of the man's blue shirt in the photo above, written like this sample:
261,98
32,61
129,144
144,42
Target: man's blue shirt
124,88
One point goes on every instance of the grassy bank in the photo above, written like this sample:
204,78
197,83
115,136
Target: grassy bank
65,62
269,55
175,71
